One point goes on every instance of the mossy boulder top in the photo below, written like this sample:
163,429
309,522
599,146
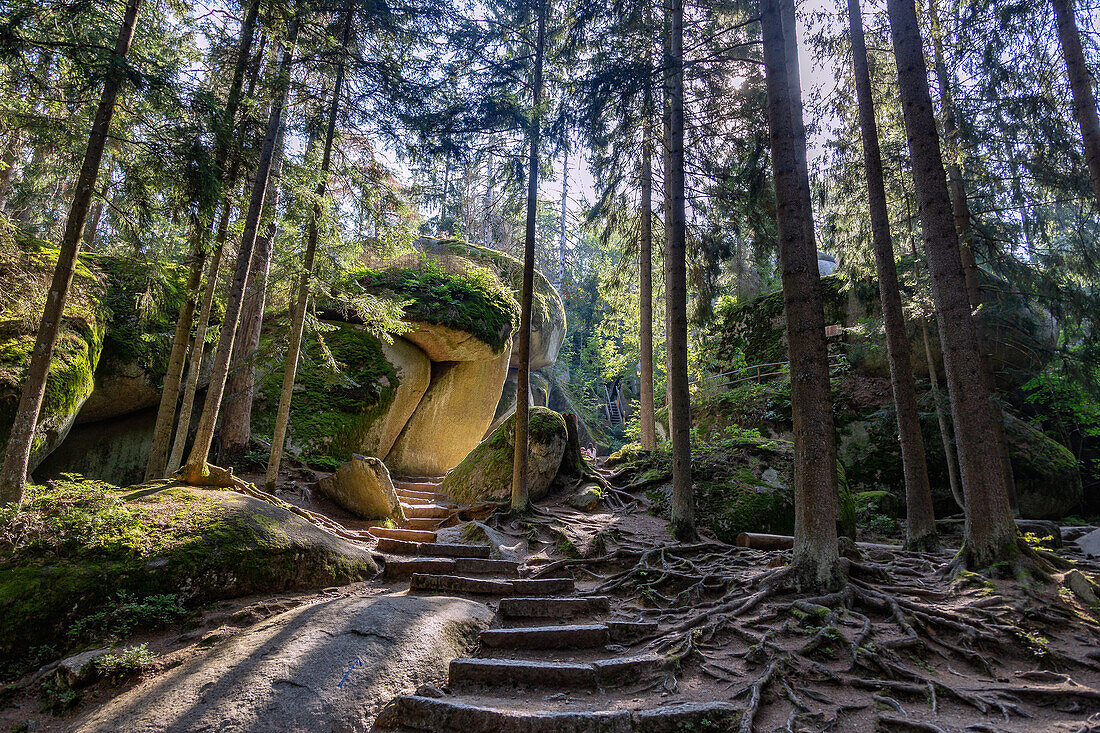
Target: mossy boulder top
486,473
742,484
82,544
465,300
548,320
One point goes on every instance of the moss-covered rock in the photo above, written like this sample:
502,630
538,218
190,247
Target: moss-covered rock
1048,485
742,484
450,292
342,408
76,548
548,320
25,273
486,473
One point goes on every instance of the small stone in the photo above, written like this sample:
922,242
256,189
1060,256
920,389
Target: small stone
80,669
429,691
587,499
1082,587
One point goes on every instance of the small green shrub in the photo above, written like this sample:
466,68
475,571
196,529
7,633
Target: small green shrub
128,662
126,614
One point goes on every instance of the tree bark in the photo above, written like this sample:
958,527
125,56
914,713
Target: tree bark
682,522
990,531
97,214
960,208
1080,82
941,420
196,469
521,500
11,159
298,314
815,562
921,520
645,279
564,210
13,473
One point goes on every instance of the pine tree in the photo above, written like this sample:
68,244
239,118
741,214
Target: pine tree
815,562
1080,82
991,534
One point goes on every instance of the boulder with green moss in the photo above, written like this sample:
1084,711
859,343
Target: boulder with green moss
1048,484
548,320
486,473
451,417
27,270
363,487
353,393
79,551
742,483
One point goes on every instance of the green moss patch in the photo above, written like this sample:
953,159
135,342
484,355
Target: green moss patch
79,551
453,293
335,402
742,484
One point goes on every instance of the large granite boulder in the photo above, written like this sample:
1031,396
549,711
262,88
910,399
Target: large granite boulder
152,541
327,666
451,417
363,487
486,473
70,378
443,343
357,405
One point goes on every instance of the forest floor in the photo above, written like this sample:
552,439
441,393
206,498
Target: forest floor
902,647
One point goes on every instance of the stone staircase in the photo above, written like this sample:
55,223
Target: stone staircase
549,643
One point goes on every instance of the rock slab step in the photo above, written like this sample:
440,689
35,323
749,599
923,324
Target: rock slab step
534,673
410,535
431,549
520,607
459,584
434,511
442,715
586,636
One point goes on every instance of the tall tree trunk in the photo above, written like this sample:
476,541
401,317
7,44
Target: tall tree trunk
921,520
235,431
1080,82
990,531
941,420
11,164
17,456
298,313
197,470
170,391
816,561
97,214
564,210
520,498
198,347
645,278
682,522
960,208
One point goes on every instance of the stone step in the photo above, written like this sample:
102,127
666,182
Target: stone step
422,486
586,636
425,523
404,568
431,549
520,607
459,584
479,566
425,510
416,496
535,673
416,714
630,630
543,587
409,535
